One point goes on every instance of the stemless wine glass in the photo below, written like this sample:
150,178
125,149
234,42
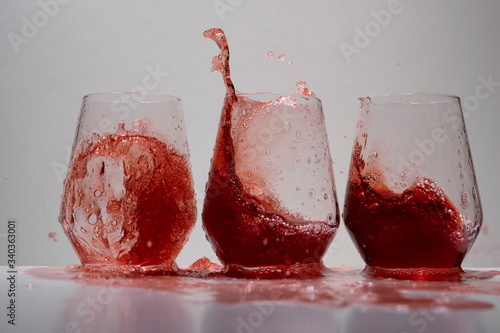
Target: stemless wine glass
270,197
128,195
412,205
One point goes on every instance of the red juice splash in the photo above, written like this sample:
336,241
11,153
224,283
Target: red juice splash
128,200
244,230
419,228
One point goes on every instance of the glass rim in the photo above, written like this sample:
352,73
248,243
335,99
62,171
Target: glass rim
280,94
96,96
410,98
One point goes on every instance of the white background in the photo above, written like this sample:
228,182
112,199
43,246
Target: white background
103,46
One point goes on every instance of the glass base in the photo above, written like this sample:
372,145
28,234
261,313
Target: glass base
418,273
130,270
295,271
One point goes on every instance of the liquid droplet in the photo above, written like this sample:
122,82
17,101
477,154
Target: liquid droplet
268,152
465,200
286,126
149,243
97,193
270,54
114,223
311,193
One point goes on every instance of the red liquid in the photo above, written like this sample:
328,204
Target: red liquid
243,230
415,229
128,200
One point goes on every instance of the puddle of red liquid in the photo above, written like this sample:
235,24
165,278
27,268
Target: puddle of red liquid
336,288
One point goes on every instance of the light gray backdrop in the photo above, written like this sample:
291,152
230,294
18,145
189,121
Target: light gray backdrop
54,52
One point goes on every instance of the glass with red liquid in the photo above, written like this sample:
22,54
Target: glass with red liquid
270,198
412,205
128,196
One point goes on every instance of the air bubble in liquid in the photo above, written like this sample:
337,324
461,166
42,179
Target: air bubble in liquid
92,219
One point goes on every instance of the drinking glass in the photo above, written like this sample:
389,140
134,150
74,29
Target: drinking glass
270,197
128,195
412,205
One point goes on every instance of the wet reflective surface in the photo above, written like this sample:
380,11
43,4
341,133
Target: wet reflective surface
69,299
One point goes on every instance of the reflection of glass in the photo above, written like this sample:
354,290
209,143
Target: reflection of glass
412,199
271,196
128,195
